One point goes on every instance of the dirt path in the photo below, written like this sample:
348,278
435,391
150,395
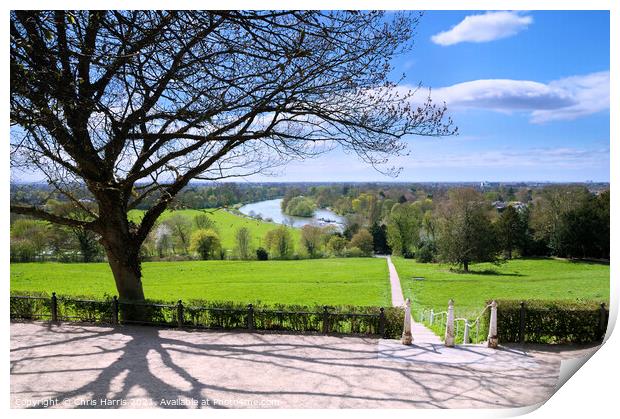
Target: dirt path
133,366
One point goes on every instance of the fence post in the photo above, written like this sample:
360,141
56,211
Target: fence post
115,309
602,321
449,338
54,308
477,330
250,317
180,313
406,338
522,323
325,320
382,322
432,317
492,338
466,333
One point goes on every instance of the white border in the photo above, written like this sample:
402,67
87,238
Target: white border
590,393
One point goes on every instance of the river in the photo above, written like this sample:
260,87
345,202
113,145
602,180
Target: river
270,209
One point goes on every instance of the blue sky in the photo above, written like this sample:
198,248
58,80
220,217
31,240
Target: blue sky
529,92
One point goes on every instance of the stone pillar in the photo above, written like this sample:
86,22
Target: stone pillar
466,333
449,339
407,339
492,339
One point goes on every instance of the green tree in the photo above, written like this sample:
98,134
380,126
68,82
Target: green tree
403,229
363,241
87,240
180,228
379,239
466,234
243,243
164,244
300,206
206,243
511,231
584,231
30,238
336,245
203,222
279,243
548,215
312,238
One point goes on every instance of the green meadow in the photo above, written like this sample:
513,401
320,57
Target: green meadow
354,281
521,279
227,224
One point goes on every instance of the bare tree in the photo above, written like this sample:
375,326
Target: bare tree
138,103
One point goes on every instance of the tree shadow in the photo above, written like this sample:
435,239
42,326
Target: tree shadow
172,365
489,272
589,262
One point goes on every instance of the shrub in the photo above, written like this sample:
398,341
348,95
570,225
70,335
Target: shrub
261,254
394,319
555,321
353,252
427,252
215,314
336,245
206,243
363,241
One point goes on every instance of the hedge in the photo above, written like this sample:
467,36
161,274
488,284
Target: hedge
554,321
211,314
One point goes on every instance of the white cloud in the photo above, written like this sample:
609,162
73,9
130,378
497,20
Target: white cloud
563,99
590,94
484,28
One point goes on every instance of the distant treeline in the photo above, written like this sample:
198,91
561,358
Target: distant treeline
429,222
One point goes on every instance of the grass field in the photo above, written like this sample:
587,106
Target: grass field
227,225
354,281
516,279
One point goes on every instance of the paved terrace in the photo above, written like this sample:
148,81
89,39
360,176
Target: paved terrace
150,367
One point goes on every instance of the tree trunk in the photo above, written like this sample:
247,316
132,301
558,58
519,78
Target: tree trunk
125,264
466,266
122,248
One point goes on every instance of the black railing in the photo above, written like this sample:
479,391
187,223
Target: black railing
326,320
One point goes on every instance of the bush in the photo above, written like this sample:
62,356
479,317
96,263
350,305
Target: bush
336,245
427,252
408,254
261,254
207,244
353,252
214,314
363,241
280,243
556,321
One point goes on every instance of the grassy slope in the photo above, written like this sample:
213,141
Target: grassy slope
227,225
362,281
516,279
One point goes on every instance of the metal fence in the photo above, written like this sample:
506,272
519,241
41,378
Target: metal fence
113,311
